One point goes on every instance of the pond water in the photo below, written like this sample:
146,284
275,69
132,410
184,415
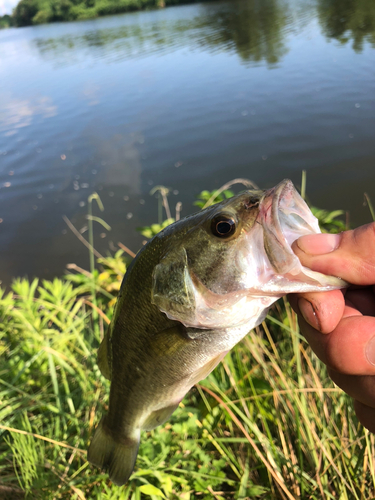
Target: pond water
188,97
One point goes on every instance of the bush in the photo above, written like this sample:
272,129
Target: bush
60,10
42,17
25,11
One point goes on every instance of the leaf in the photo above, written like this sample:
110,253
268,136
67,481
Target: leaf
243,483
256,491
151,231
150,489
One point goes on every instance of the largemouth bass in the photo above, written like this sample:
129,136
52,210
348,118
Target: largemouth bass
194,291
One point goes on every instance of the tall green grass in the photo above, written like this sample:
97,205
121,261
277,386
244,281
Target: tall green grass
267,423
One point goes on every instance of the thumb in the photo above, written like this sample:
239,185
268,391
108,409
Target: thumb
349,255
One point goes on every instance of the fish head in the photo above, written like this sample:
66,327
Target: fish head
234,259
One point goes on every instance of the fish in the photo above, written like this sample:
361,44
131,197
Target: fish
188,297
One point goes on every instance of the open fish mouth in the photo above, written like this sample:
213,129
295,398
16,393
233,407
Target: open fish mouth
285,217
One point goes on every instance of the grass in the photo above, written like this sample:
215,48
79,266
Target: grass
267,423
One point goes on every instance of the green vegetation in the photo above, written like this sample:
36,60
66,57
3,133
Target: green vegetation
6,21
205,197
267,423
28,12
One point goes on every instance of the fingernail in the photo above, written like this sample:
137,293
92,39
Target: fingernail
319,244
309,314
370,351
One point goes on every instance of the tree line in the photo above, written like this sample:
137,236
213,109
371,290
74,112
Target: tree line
6,21
32,12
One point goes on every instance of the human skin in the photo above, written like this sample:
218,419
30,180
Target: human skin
340,325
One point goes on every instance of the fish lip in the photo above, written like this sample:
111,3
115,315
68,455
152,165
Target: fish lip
284,216
284,189
280,192
270,206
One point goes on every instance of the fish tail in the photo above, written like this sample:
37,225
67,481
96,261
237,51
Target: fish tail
116,455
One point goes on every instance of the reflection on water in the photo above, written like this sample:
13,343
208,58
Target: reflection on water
348,20
18,113
255,29
187,97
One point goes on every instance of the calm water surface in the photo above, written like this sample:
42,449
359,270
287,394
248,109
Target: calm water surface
188,97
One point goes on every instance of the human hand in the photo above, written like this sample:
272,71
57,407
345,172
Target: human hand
340,325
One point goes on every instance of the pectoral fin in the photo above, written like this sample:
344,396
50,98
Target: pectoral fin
168,343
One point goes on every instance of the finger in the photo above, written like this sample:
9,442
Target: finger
349,255
322,310
318,341
366,415
361,388
350,348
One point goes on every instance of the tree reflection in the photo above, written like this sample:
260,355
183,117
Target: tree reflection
254,29
348,20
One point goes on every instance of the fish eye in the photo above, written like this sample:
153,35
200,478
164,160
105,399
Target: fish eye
223,226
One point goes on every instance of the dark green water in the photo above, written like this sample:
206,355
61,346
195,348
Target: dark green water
188,97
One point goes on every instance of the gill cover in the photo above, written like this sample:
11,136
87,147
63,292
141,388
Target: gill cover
179,293
172,288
